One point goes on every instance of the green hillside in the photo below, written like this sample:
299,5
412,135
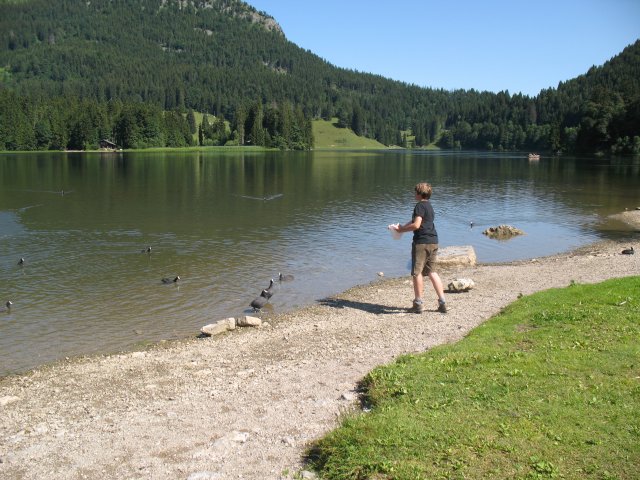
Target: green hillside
225,58
326,134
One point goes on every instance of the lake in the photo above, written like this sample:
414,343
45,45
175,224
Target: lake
227,223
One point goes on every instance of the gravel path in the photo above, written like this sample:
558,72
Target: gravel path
246,404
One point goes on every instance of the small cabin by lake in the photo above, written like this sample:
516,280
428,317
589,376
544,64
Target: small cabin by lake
108,144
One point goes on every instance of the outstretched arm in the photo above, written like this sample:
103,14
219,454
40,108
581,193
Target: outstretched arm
410,226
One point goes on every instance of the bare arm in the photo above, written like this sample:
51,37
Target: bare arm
410,226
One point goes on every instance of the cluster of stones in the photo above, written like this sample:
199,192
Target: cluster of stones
226,324
502,232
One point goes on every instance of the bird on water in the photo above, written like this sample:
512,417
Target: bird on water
21,261
628,251
259,302
284,278
268,292
171,280
7,306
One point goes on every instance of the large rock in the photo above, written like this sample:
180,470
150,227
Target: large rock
456,255
502,232
219,327
248,321
631,217
7,400
461,285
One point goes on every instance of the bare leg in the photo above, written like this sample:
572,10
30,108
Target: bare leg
418,286
437,284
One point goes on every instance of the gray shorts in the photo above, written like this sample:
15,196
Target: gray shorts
423,258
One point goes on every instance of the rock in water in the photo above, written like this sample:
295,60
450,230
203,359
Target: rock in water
502,232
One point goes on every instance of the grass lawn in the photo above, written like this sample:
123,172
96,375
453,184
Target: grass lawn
549,388
327,135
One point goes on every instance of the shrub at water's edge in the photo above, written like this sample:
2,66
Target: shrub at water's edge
546,389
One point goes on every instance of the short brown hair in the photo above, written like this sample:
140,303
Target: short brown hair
424,190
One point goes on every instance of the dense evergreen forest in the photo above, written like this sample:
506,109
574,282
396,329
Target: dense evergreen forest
134,71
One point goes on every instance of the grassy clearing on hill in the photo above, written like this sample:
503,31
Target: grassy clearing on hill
327,135
198,116
549,388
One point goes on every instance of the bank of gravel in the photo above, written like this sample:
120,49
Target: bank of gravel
245,405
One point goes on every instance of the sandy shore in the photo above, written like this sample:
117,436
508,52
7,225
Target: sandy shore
245,405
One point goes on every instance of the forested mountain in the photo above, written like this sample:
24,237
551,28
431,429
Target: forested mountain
600,110
73,72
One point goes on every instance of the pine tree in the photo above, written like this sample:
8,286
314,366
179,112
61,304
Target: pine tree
240,119
191,119
255,127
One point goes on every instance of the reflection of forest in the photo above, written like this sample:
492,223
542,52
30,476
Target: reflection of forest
191,184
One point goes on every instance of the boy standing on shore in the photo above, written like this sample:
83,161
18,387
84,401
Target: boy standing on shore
424,248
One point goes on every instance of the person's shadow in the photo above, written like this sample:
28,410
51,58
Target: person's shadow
364,306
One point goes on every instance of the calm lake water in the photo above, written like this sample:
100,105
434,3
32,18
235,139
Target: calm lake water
226,223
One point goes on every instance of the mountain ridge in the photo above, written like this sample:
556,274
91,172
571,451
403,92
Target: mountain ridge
223,57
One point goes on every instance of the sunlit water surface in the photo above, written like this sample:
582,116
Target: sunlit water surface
227,223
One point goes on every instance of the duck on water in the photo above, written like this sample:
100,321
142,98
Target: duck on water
259,302
268,292
285,277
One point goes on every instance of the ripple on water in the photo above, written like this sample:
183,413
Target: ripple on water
86,286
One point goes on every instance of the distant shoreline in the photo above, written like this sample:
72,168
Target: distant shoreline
243,148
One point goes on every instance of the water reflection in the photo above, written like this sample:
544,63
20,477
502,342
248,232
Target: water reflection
227,223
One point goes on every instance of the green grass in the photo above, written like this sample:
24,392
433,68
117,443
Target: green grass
549,388
198,116
5,74
327,135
